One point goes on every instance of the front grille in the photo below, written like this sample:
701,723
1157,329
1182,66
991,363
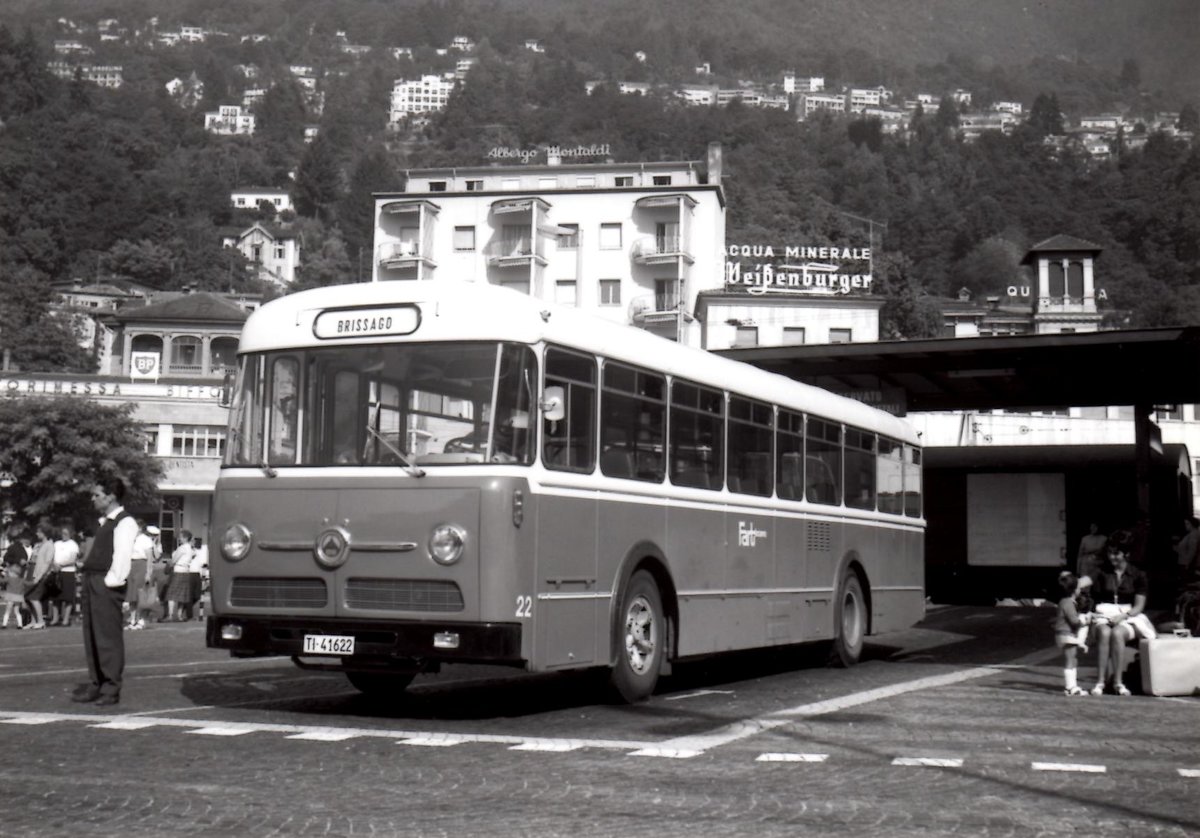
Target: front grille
257,592
403,595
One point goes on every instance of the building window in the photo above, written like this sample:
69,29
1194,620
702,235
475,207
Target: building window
565,292
464,238
198,441
547,183
186,354
746,336
624,180
568,236
150,439
585,181
610,292
1173,412
512,184
610,236
662,180
280,252
666,294
474,185
793,335
437,186
839,336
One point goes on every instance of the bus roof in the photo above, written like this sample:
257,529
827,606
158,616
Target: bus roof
479,311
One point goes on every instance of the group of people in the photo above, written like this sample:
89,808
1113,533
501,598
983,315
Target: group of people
1103,604
38,584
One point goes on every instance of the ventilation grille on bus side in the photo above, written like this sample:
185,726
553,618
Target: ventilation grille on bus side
820,536
252,592
403,595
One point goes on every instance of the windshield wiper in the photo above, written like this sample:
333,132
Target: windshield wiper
412,470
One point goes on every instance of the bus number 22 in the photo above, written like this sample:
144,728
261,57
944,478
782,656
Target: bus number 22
524,607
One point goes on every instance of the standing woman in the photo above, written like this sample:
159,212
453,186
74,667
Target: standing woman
43,564
179,591
1090,560
66,555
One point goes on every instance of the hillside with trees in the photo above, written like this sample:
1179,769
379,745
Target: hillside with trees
126,184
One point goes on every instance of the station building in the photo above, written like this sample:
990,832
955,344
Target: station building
168,359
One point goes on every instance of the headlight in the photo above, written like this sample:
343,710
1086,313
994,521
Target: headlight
446,543
235,542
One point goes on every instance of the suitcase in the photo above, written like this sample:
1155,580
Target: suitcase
1170,665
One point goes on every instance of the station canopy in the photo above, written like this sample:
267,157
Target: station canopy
1154,367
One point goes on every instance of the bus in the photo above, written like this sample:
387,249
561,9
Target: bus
426,473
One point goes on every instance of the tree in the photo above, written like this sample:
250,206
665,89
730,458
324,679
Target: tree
1189,119
990,267
34,339
1131,75
56,448
318,180
1045,116
324,260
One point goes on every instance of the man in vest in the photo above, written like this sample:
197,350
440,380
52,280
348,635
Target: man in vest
102,578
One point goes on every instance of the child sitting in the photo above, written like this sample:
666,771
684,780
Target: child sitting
1071,627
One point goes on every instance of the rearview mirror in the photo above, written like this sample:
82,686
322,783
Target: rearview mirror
553,404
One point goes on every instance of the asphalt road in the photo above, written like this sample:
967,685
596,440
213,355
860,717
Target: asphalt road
958,726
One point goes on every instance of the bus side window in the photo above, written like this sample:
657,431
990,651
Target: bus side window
633,422
569,444
823,462
889,476
749,447
697,436
790,447
860,469
912,481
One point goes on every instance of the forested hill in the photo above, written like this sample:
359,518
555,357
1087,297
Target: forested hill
856,41
126,184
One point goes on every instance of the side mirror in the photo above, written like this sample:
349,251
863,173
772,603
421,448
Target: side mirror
227,389
553,404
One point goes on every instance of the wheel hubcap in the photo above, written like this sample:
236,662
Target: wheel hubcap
641,635
851,620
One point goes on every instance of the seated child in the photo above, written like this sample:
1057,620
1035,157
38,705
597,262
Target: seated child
1071,627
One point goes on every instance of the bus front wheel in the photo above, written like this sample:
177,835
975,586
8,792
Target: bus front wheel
642,639
380,683
850,621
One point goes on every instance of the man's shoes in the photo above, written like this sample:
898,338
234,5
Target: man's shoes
85,693
107,698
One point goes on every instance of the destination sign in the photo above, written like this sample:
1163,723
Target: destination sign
369,322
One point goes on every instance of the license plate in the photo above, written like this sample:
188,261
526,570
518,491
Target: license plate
328,644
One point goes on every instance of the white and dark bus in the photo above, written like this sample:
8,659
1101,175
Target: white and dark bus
426,473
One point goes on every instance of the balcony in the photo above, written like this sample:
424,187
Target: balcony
403,254
660,250
655,308
515,252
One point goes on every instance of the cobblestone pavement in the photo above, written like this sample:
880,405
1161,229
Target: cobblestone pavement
958,726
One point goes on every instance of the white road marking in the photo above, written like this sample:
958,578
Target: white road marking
127,724
792,757
42,673
930,762
1189,772
1069,766
437,740
697,694
666,753
32,719
551,745
220,730
323,736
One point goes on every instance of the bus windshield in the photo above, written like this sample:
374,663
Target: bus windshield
384,405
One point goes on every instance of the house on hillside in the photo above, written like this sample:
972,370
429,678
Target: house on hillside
273,251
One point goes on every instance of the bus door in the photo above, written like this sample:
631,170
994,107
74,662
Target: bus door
567,516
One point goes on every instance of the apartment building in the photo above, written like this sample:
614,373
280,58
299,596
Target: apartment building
229,120
813,102
249,197
273,251
637,243
418,96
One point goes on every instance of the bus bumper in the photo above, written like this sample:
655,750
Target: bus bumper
498,643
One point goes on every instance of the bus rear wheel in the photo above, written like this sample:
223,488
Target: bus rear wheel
642,640
850,621
380,683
